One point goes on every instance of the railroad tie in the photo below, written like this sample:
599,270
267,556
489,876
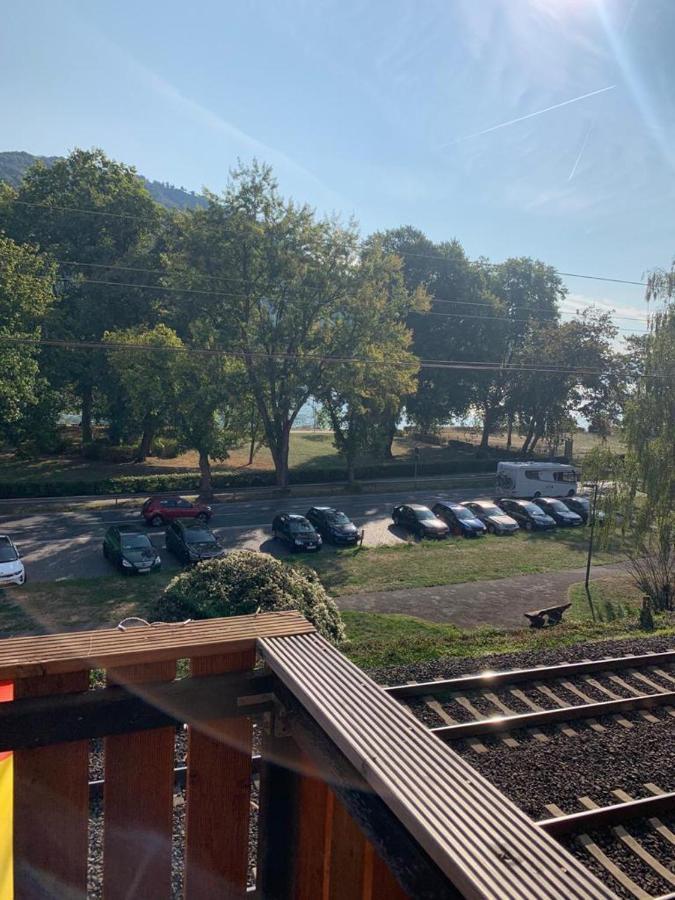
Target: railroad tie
654,823
647,716
601,857
573,689
478,716
547,692
535,707
634,845
476,745
622,720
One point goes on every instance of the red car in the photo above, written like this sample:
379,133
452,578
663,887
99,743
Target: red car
158,510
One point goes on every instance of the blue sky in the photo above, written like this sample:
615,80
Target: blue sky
384,110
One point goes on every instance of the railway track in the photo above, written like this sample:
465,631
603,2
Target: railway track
629,842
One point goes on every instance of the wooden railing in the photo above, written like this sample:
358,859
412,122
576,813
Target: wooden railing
355,798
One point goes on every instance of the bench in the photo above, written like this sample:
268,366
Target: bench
551,615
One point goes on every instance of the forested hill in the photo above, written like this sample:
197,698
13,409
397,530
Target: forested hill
13,164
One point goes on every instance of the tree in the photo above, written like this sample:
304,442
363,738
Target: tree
91,214
27,294
148,379
277,277
244,582
359,395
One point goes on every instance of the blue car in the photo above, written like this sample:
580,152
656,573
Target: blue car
460,520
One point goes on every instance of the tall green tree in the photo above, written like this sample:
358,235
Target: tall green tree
27,294
90,214
282,276
358,395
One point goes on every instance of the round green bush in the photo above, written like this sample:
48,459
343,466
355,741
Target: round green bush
244,582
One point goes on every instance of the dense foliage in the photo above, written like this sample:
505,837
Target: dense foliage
212,327
246,582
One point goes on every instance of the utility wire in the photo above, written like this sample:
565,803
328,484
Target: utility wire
407,253
489,366
506,319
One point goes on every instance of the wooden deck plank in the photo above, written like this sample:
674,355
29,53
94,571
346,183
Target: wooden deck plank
24,657
218,795
51,806
138,802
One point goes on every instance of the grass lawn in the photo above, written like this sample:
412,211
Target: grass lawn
431,563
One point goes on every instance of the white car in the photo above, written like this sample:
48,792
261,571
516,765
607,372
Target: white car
11,568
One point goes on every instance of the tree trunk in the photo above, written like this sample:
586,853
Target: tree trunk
528,438
205,481
87,404
351,470
509,431
146,444
280,455
487,428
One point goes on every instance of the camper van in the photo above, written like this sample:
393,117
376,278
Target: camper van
536,479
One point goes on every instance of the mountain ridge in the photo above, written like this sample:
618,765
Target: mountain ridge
14,163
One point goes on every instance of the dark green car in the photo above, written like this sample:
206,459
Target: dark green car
130,550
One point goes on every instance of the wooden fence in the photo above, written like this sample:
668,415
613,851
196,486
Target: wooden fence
355,798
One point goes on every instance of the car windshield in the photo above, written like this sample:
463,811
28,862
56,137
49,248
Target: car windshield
301,527
583,502
492,511
199,537
533,509
135,542
424,514
338,518
558,506
462,513
7,553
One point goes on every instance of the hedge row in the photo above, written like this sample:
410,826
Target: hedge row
189,482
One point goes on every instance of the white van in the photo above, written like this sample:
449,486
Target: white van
536,479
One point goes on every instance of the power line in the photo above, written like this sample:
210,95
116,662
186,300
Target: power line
505,319
487,366
407,253
588,304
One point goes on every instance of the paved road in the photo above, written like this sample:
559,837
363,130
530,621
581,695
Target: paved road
500,603
58,545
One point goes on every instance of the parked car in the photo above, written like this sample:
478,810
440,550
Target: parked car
333,525
495,519
130,550
296,532
192,542
581,506
528,515
459,519
12,570
558,511
419,520
160,510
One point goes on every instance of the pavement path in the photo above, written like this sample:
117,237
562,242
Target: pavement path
58,545
500,603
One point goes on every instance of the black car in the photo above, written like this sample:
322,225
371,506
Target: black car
419,520
192,541
528,515
495,519
296,532
333,525
459,519
557,510
579,505
130,550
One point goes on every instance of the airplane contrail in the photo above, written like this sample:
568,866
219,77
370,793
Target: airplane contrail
581,152
531,115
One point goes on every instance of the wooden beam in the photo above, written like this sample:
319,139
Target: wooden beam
51,806
41,721
278,818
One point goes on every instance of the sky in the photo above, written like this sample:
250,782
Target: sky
541,128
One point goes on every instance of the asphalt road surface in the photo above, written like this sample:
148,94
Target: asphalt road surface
58,545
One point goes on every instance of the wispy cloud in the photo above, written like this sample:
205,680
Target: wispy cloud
581,152
538,112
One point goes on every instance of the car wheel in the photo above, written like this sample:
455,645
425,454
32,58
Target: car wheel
528,526
203,517
491,529
396,522
156,521
570,493
537,493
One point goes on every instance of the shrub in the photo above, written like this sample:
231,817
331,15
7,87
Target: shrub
242,583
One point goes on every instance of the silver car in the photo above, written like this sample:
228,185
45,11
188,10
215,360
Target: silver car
495,519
